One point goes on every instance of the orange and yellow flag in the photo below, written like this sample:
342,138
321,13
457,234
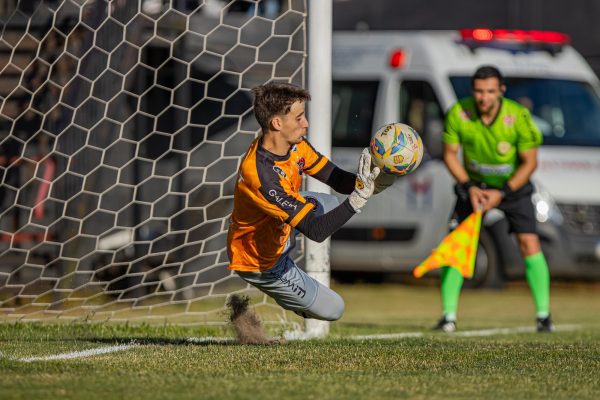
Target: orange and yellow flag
457,250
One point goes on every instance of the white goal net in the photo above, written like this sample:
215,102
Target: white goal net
122,126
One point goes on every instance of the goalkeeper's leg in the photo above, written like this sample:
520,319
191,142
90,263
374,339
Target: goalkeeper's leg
294,290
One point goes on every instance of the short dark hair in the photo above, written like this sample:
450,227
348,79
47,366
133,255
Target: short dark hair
485,72
274,99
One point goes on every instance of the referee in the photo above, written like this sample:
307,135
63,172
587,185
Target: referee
499,144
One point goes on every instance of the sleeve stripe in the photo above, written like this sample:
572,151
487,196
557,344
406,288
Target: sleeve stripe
301,214
317,166
315,163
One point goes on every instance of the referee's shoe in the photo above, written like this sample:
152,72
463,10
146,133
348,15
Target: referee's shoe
445,325
545,324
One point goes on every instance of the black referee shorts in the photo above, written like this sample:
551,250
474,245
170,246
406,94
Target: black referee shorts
517,207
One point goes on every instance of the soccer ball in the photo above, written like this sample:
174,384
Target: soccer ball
396,149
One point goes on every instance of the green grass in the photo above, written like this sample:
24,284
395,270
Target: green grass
565,364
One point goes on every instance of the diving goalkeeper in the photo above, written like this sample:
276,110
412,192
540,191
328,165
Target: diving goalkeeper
268,206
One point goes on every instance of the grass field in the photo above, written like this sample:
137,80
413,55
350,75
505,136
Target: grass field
162,363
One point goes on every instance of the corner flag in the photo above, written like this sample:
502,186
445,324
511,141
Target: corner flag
457,250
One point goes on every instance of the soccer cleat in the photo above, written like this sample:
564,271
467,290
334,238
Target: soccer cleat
445,326
545,324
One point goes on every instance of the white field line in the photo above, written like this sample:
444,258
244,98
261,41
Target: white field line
507,331
211,340
481,332
384,336
79,354
301,335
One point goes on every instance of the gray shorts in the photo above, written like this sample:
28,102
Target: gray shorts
292,288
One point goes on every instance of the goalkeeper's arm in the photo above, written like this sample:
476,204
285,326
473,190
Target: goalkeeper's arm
336,178
321,227
343,181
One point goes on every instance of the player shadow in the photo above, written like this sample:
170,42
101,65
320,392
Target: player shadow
145,341
401,327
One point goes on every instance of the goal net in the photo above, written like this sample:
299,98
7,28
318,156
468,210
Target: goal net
122,127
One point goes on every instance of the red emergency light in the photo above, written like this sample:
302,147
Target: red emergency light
515,36
397,58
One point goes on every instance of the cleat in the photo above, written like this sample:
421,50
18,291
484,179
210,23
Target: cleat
445,326
545,324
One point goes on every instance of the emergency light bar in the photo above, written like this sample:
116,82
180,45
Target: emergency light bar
515,36
514,40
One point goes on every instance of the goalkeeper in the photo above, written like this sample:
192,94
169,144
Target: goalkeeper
268,206
499,149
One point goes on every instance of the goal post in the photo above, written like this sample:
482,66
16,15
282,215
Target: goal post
319,114
122,127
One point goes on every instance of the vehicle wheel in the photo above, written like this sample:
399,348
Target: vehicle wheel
488,272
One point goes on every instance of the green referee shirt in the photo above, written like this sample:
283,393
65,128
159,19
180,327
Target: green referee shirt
490,153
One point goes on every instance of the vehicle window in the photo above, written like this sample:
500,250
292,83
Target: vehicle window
353,109
420,108
566,112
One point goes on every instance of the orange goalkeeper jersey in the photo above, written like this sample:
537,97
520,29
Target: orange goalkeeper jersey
267,204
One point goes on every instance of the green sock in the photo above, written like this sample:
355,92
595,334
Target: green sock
538,277
452,281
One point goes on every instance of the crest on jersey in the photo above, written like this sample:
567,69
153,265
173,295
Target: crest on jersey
279,171
503,147
301,162
509,120
465,115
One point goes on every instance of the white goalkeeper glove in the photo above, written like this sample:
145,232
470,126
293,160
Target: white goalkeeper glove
365,182
383,182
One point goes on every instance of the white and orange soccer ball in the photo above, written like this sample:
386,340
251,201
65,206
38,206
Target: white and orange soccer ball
396,149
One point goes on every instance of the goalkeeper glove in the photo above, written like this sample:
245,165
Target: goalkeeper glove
365,182
383,182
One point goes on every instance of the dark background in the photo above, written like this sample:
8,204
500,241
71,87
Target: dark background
578,18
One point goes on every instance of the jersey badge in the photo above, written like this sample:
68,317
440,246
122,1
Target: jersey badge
465,115
279,171
301,162
509,120
503,148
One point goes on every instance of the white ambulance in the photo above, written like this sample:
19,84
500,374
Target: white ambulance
414,77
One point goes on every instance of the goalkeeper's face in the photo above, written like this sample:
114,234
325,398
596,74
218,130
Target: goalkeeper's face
294,124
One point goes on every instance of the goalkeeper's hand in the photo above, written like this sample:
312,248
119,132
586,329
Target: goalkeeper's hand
365,182
383,182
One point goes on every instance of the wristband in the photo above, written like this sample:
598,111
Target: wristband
506,190
467,185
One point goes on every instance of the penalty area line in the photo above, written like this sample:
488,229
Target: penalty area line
79,354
